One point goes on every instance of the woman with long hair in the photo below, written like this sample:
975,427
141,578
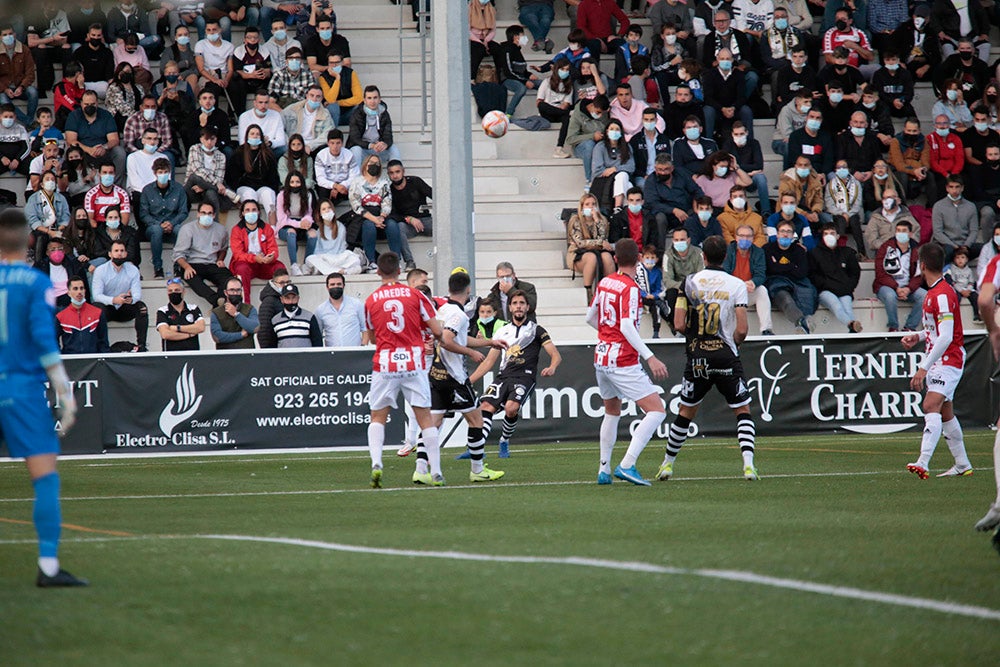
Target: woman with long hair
330,254
254,247
718,176
124,96
370,196
589,252
253,171
612,160
555,101
77,177
951,103
295,219
296,158
80,237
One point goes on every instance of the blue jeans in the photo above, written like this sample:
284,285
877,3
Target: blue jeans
391,153
369,233
752,80
890,300
266,15
842,307
225,25
152,45
156,236
711,114
585,151
291,237
31,94
780,147
517,90
338,113
537,19
409,232
760,185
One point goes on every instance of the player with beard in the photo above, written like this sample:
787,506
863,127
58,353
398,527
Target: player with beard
518,367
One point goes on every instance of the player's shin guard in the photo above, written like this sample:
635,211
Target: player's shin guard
477,448
487,425
423,465
952,432
609,434
746,435
376,440
640,438
676,437
932,433
507,427
431,443
47,516
412,427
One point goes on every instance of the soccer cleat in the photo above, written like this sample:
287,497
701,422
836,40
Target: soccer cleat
423,478
486,475
991,520
464,455
604,478
918,470
376,478
630,475
750,473
955,472
665,472
61,579
438,479
407,449
504,449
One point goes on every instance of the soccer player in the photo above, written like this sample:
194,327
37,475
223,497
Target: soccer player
941,369
519,364
417,279
988,285
712,313
395,315
615,314
451,389
29,353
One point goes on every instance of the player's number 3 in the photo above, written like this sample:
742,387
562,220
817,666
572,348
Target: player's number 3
395,310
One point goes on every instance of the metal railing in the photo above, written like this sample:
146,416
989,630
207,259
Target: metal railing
405,34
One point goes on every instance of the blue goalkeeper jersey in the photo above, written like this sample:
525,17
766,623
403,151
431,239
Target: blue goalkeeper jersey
27,324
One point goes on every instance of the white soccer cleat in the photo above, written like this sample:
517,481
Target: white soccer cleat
407,449
955,471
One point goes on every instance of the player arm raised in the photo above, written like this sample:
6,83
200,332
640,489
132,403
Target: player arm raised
488,363
554,359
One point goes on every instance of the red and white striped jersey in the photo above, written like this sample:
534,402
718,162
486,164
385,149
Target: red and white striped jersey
617,299
941,304
991,274
397,314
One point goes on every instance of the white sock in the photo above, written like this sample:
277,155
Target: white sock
932,433
640,438
477,466
952,432
412,427
376,439
996,464
748,458
433,449
422,467
609,434
48,565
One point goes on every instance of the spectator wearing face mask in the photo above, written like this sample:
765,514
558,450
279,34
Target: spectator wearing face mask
289,84
47,212
178,322
117,286
951,103
83,328
163,208
787,270
957,28
843,201
917,45
59,266
737,213
882,225
834,271
234,323
127,51
555,103
745,260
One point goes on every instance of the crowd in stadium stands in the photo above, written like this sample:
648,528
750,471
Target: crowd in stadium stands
279,126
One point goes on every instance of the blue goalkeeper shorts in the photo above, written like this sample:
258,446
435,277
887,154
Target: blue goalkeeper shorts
26,420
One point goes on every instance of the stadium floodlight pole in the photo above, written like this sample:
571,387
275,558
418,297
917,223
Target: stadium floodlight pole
452,147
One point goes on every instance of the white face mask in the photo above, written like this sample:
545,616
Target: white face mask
327,216
740,140
739,203
522,40
830,240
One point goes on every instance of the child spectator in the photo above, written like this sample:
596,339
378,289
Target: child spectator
652,291
487,321
963,278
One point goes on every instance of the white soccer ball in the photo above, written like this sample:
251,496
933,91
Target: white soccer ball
495,124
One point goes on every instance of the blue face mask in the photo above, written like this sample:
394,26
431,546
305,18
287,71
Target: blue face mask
814,124
744,244
337,69
692,133
721,171
614,135
486,320
149,148
784,242
564,74
788,209
215,37
704,216
251,217
107,180
87,12
294,64
325,35
802,173
78,302
371,112
209,110
681,246
892,67
205,220
836,98
183,40
163,179
254,141
280,35
725,65
781,24
858,131
635,208
8,40
114,223
842,174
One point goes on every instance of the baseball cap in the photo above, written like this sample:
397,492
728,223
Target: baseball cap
289,289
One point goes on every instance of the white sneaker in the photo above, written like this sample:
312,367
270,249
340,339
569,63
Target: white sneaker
294,270
235,198
560,153
407,449
991,520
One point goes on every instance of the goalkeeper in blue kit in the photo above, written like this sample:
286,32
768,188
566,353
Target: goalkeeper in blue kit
28,355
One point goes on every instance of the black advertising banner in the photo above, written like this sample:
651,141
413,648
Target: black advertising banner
319,398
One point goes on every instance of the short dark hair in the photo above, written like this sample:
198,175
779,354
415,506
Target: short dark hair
955,178
161,163
13,231
388,264
394,163
510,297
601,102
335,274
634,190
372,89
458,282
513,30
715,249
76,279
626,252
335,133
932,257
623,86
904,223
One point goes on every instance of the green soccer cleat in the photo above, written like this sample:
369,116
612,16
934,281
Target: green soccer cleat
438,480
750,473
423,478
376,479
665,472
486,475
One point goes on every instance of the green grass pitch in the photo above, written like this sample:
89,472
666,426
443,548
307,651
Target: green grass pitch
837,511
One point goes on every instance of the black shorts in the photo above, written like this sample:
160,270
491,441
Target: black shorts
723,372
451,396
516,389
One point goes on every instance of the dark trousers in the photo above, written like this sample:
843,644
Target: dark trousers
128,312
215,274
478,52
554,114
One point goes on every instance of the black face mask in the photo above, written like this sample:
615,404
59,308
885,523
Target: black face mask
96,43
235,299
663,178
374,170
336,293
399,182
290,308
841,25
992,99
175,298
126,77
74,163
966,57
118,261
993,164
90,110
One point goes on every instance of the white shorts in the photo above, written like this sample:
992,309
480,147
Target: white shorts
944,380
630,383
414,385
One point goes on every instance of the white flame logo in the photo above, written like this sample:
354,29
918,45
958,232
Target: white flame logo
186,404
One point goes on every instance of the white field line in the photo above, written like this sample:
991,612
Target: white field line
499,485
744,577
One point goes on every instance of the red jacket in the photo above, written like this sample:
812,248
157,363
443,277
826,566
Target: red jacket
883,278
82,330
67,95
947,154
238,243
593,17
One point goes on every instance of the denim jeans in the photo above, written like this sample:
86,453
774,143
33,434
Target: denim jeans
585,151
760,185
156,236
537,19
743,114
517,90
26,118
369,233
890,300
780,147
291,237
409,232
339,113
842,307
391,153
